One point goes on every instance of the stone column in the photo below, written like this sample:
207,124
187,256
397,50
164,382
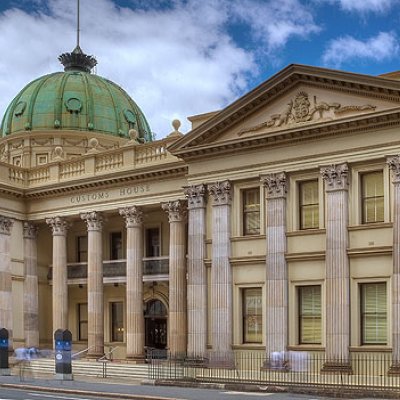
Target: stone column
276,334
394,165
197,273
59,227
221,275
31,288
337,269
177,277
94,222
6,314
134,282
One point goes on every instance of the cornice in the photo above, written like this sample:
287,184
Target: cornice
278,85
296,134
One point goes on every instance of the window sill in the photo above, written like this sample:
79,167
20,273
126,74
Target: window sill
248,346
306,232
375,225
306,347
368,348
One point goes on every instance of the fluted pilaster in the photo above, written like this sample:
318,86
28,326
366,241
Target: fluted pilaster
276,267
394,165
177,276
134,282
337,267
6,314
94,221
197,274
221,274
59,227
31,288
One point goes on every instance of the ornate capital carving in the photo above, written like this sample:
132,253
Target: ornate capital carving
275,185
94,220
30,230
394,165
58,225
176,210
133,216
196,196
6,225
336,177
220,193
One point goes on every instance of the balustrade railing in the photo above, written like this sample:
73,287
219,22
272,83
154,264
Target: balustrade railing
116,268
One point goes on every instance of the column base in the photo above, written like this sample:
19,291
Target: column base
337,367
137,359
225,359
96,356
5,371
64,377
394,369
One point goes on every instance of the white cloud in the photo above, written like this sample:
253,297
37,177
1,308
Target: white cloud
364,5
175,61
382,47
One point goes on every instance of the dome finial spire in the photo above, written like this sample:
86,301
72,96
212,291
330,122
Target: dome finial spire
77,60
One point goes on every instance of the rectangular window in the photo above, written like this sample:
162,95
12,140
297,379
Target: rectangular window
373,313
82,321
117,322
309,204
251,211
252,315
82,247
153,242
372,197
309,314
116,246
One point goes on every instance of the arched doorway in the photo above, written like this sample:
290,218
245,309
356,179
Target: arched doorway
155,325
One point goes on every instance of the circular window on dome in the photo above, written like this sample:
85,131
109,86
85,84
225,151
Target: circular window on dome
19,108
130,117
73,105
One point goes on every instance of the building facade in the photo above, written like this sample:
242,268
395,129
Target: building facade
272,225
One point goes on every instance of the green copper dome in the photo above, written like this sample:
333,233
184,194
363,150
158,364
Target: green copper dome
75,100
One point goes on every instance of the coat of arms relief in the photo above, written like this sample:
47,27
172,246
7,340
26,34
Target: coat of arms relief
300,110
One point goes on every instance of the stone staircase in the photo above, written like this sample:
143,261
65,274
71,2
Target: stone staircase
45,368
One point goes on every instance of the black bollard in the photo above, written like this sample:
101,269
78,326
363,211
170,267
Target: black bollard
4,366
62,346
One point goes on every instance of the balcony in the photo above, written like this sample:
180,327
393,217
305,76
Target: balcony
153,269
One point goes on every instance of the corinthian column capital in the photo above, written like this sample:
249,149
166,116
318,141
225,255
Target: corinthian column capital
220,193
275,185
133,216
336,176
176,210
394,165
196,196
6,225
30,230
94,220
58,225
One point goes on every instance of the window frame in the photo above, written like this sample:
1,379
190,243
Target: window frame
301,206
112,249
82,321
258,317
245,213
361,286
120,328
147,253
299,289
364,199
79,251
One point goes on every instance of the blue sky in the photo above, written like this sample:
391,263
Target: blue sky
178,58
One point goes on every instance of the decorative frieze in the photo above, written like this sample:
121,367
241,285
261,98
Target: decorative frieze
220,193
6,225
176,210
336,177
58,225
133,216
94,220
275,185
196,196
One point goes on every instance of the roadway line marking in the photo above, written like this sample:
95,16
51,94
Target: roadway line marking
53,396
248,393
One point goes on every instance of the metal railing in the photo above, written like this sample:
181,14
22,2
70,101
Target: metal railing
106,359
362,371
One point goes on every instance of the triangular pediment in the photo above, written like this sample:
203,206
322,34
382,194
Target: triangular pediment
297,98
